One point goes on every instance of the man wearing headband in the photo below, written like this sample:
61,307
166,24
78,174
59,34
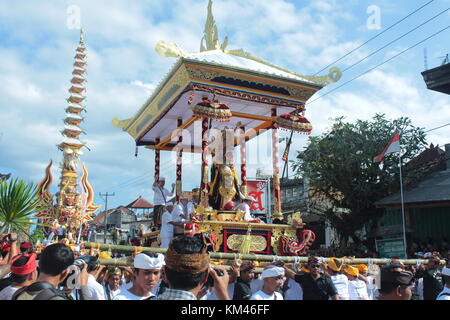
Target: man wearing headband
357,288
273,278
315,285
432,279
160,198
147,273
23,274
369,280
187,269
54,262
26,247
112,284
340,281
395,283
445,294
242,289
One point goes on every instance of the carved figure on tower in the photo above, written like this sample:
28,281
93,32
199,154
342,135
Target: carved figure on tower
225,186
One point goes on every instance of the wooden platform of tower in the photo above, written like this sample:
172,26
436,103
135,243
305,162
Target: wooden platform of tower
260,97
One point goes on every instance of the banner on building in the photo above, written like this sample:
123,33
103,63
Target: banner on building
258,189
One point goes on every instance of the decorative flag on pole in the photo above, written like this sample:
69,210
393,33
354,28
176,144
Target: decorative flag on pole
393,146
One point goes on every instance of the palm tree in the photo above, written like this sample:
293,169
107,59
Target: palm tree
18,203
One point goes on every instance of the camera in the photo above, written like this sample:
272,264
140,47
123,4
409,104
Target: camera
92,262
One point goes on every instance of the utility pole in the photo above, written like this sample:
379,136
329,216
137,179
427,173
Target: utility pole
106,208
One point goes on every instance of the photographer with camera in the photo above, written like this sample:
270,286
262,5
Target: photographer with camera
54,263
187,269
95,289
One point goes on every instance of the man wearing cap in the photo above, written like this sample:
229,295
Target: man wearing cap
147,273
395,283
273,278
445,294
432,279
333,269
23,274
357,288
315,285
242,289
245,206
187,269
160,198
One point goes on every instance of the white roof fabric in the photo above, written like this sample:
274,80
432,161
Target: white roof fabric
221,58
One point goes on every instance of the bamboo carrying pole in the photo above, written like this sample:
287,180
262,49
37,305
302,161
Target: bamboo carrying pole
253,257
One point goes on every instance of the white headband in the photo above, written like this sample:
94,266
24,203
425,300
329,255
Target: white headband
143,261
272,272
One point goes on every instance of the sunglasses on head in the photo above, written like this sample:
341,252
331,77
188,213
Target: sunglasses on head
314,265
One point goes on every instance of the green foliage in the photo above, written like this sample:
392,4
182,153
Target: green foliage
37,234
339,166
17,204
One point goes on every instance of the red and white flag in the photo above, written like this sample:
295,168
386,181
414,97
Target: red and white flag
393,146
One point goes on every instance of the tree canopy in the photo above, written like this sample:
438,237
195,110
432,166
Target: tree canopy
18,203
340,168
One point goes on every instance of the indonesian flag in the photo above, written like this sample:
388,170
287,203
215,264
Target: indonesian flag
393,146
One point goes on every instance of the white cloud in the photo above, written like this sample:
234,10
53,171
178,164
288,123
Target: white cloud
123,69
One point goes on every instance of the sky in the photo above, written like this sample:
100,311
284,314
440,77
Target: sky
37,47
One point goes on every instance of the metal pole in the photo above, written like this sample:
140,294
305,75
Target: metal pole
106,210
403,207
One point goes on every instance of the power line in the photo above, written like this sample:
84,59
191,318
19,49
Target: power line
376,36
379,65
448,124
402,36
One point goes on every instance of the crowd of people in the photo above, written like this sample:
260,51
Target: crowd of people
185,273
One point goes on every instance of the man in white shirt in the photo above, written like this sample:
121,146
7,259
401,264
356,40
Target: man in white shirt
96,290
357,288
167,225
194,202
112,285
160,198
445,294
340,281
180,216
292,290
273,278
245,206
147,271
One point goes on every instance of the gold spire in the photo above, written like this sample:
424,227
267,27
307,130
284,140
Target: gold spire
210,42
81,37
210,34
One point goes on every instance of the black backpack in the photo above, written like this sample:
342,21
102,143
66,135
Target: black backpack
45,289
